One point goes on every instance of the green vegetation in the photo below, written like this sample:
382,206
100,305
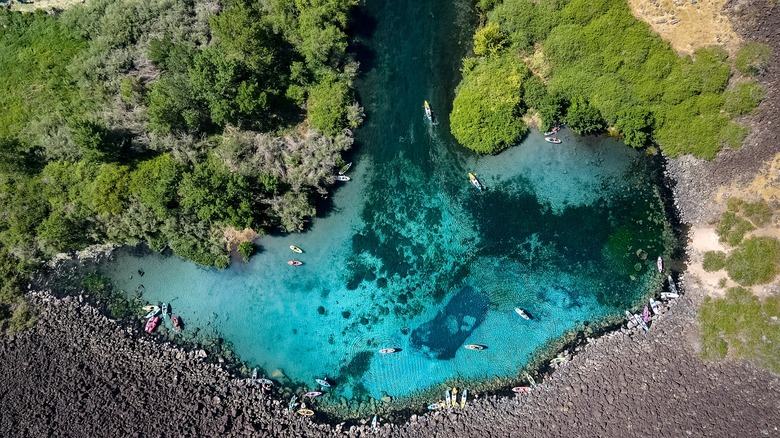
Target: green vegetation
166,121
755,261
752,59
246,249
596,66
759,212
486,110
714,261
732,228
741,326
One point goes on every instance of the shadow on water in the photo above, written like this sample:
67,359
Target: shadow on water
441,337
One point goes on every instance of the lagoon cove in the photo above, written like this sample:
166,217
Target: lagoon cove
409,218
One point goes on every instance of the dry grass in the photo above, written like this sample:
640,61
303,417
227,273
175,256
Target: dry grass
688,26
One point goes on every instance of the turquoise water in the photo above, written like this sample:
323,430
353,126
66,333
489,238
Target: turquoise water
411,256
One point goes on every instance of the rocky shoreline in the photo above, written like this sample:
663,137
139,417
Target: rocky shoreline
78,373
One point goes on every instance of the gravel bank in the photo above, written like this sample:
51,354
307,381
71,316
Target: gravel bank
78,374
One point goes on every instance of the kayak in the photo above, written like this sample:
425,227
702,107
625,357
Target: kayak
291,406
373,424
296,249
151,324
668,295
476,347
389,350
654,306
305,412
646,314
294,262
463,398
521,389
475,182
323,383
165,309
454,396
434,406
265,381
660,263
523,314
176,323
312,394
153,312
447,398
428,111
342,178
553,140
345,168
672,286
254,375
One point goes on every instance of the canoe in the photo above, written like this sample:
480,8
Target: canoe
176,323
476,347
521,389
654,306
153,312
454,396
475,182
672,286
342,178
323,382
151,324
463,398
305,412
660,263
296,249
312,394
523,314
345,168
389,350
294,262
553,140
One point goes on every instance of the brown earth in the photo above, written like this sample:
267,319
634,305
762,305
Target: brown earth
78,374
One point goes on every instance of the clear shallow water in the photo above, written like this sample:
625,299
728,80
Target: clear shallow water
411,256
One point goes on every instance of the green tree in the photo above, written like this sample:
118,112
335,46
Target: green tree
172,106
246,249
109,191
214,194
487,107
583,118
155,182
635,125
327,106
94,142
489,40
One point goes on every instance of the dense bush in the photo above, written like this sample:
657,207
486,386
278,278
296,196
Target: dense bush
714,261
755,261
741,326
616,73
753,58
759,212
487,105
732,228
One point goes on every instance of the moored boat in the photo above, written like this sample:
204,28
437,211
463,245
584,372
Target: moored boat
165,309
389,350
475,347
553,140
152,312
523,314
151,324
312,394
521,389
428,111
475,182
294,262
176,323
294,248
660,263
342,178
345,168
324,383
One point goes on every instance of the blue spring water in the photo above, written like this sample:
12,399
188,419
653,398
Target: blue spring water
411,256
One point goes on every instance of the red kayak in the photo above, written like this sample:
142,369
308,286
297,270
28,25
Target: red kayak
152,324
521,389
313,394
295,263
176,323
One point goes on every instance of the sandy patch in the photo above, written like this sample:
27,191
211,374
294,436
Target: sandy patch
704,239
688,24
46,5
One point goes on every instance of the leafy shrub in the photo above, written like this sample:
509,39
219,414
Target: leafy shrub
755,261
733,134
583,118
732,228
759,212
752,58
744,98
489,40
741,326
486,111
327,105
246,249
714,261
